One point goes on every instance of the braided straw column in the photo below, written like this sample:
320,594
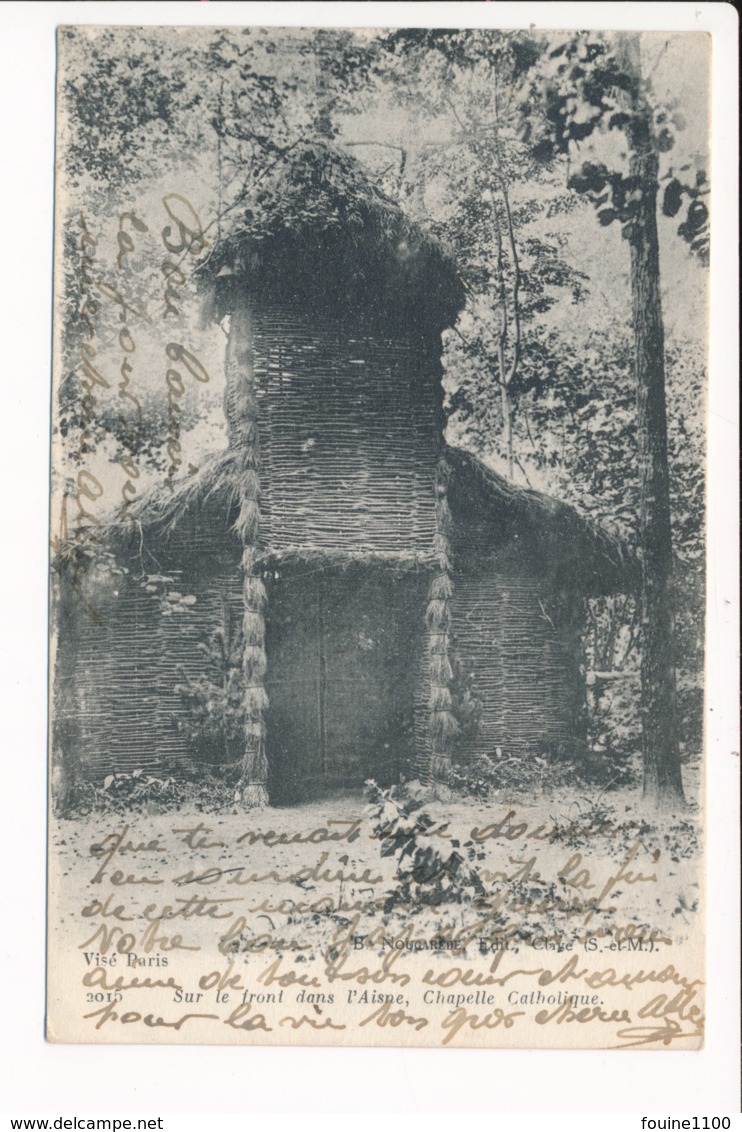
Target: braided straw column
442,723
242,425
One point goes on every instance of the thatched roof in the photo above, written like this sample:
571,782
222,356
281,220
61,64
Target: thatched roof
561,543
317,233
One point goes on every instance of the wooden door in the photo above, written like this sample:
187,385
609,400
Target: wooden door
341,647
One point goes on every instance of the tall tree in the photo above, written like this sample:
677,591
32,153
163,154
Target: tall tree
662,776
588,85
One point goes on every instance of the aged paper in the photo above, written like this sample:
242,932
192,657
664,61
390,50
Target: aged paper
377,559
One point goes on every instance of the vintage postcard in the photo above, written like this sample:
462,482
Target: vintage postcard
377,547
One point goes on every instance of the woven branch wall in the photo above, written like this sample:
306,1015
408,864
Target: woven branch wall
348,638
121,672
349,429
511,652
513,657
121,675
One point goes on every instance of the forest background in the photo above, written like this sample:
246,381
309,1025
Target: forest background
514,149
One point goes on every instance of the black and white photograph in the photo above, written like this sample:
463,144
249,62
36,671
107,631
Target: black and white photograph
378,537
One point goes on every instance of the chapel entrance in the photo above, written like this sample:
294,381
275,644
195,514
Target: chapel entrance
343,649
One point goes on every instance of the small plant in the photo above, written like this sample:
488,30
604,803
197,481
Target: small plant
125,792
425,874
542,767
591,763
215,699
139,792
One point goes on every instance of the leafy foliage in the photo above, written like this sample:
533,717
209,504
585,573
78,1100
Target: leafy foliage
586,85
425,875
214,700
141,792
545,768
123,793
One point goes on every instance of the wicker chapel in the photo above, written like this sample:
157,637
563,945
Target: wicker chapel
386,605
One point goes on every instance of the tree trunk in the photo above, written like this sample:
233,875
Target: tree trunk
506,408
662,775
69,693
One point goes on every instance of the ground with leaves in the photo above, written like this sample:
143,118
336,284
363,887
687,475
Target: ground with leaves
412,870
